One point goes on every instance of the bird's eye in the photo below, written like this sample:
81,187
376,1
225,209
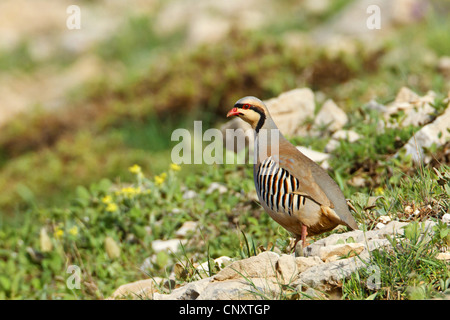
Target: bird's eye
246,106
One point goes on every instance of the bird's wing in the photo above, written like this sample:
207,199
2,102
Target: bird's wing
316,184
301,171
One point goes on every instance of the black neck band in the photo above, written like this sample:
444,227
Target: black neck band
262,117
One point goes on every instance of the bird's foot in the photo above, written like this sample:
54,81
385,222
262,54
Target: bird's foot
298,250
297,247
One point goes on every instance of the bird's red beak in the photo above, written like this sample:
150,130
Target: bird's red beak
233,112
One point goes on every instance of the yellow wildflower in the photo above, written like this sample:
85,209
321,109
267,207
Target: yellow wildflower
127,190
73,231
135,169
111,207
58,234
159,180
107,199
130,192
175,167
379,191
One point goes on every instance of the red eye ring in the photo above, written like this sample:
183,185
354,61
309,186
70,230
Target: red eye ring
246,106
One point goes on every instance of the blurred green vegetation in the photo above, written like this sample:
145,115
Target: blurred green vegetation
17,59
57,167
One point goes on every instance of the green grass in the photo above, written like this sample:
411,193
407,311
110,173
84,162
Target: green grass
89,214
409,270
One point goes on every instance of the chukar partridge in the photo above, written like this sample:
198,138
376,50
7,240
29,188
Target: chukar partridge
295,191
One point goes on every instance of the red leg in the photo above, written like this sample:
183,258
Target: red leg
302,237
304,234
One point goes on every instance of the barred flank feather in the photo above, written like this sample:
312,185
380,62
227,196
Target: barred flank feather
275,186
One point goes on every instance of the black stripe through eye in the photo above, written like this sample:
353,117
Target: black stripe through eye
257,109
